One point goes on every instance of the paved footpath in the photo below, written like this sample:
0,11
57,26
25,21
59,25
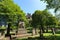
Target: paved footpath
17,36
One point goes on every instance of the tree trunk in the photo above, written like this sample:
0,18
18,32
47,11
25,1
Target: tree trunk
53,32
47,30
41,32
42,27
35,31
8,31
16,31
17,28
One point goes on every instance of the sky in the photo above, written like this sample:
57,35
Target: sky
29,6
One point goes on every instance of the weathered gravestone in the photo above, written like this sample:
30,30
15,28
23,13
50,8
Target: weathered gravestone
33,32
21,28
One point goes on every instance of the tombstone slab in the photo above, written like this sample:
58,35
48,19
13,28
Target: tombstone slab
21,29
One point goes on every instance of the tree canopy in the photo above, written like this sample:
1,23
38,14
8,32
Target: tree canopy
11,11
43,18
53,4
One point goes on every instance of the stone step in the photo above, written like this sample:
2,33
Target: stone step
22,31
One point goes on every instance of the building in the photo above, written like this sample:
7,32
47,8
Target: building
29,16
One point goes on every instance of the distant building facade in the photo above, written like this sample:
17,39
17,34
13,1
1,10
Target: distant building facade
29,16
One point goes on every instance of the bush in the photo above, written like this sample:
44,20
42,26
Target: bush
29,30
13,27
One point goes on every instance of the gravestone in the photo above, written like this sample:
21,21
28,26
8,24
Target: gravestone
21,28
33,32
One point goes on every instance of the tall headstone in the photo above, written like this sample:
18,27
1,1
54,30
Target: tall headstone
21,29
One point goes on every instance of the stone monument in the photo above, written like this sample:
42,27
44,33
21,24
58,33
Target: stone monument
21,29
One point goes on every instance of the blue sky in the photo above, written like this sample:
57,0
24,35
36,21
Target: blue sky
29,6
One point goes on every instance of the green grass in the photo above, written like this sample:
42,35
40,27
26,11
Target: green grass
49,36
57,32
2,27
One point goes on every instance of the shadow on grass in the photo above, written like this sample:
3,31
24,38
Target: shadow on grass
57,32
36,38
45,38
53,38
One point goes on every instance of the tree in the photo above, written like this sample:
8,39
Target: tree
11,12
39,19
47,15
52,21
53,4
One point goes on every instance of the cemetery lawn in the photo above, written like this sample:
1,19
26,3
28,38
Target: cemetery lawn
49,36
